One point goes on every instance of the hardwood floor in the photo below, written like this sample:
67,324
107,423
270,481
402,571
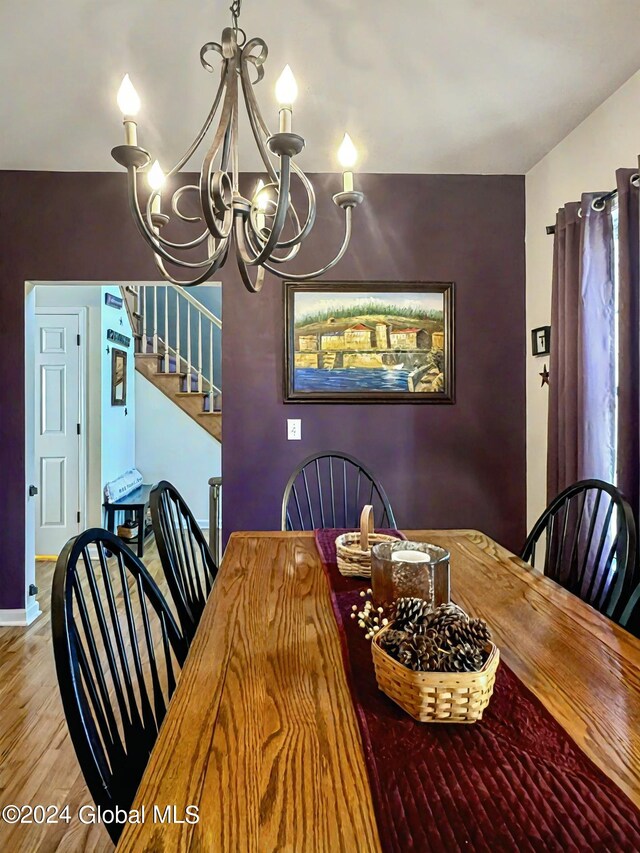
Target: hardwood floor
38,765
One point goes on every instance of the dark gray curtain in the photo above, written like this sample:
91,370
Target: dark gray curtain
628,468
581,437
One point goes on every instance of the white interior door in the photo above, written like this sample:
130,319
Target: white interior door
57,432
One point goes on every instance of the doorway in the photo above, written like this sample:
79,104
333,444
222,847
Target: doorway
59,394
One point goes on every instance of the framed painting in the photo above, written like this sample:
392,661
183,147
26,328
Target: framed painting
369,342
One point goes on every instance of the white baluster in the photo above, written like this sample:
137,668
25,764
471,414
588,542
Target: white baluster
199,352
167,360
155,320
210,366
178,365
189,347
143,316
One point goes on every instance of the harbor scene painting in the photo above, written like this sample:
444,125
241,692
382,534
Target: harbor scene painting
348,342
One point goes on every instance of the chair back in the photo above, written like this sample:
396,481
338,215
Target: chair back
586,541
117,651
630,618
329,490
186,559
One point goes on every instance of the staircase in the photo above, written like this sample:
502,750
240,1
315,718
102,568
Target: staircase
174,349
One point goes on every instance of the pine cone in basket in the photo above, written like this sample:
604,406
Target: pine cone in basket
463,658
475,632
417,651
410,611
444,615
391,641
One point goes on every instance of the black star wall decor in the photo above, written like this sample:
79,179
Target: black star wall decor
545,376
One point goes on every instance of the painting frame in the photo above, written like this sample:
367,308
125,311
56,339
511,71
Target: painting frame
336,288
118,377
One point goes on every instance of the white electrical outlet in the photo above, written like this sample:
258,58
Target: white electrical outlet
294,429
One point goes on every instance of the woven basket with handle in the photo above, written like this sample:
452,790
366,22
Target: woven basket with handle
353,550
436,697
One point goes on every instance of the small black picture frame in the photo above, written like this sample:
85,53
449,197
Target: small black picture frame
118,377
541,340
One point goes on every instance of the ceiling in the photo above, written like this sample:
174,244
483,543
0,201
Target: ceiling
451,86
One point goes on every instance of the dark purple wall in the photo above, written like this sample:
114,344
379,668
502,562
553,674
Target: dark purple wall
442,466
54,227
460,465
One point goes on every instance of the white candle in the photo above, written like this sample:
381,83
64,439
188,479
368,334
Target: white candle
285,120
410,557
286,93
347,155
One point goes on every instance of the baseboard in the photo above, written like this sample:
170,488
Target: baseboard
20,618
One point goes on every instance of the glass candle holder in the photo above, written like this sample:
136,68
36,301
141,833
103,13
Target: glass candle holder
409,569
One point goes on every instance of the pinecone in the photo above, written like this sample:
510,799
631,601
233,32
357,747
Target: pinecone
463,658
391,641
444,615
474,633
410,611
415,651
431,658
421,629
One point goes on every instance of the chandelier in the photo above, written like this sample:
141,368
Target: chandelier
265,230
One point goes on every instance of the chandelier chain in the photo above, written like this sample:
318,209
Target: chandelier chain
235,12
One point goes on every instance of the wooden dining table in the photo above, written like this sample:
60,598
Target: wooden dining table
261,735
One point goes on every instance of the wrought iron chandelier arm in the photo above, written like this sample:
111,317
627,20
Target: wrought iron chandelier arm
260,134
150,235
241,252
193,282
168,243
206,173
188,154
330,265
251,235
278,220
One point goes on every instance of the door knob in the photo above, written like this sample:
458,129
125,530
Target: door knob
33,490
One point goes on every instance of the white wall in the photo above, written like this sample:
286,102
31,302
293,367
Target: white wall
118,422
584,161
171,446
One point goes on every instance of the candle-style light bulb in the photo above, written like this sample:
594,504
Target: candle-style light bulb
347,156
261,201
286,88
128,99
347,152
156,176
155,179
129,104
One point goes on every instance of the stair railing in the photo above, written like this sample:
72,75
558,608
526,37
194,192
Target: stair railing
180,316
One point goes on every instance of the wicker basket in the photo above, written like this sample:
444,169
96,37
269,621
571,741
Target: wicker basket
436,697
353,550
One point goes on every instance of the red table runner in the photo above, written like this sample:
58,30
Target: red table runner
515,781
